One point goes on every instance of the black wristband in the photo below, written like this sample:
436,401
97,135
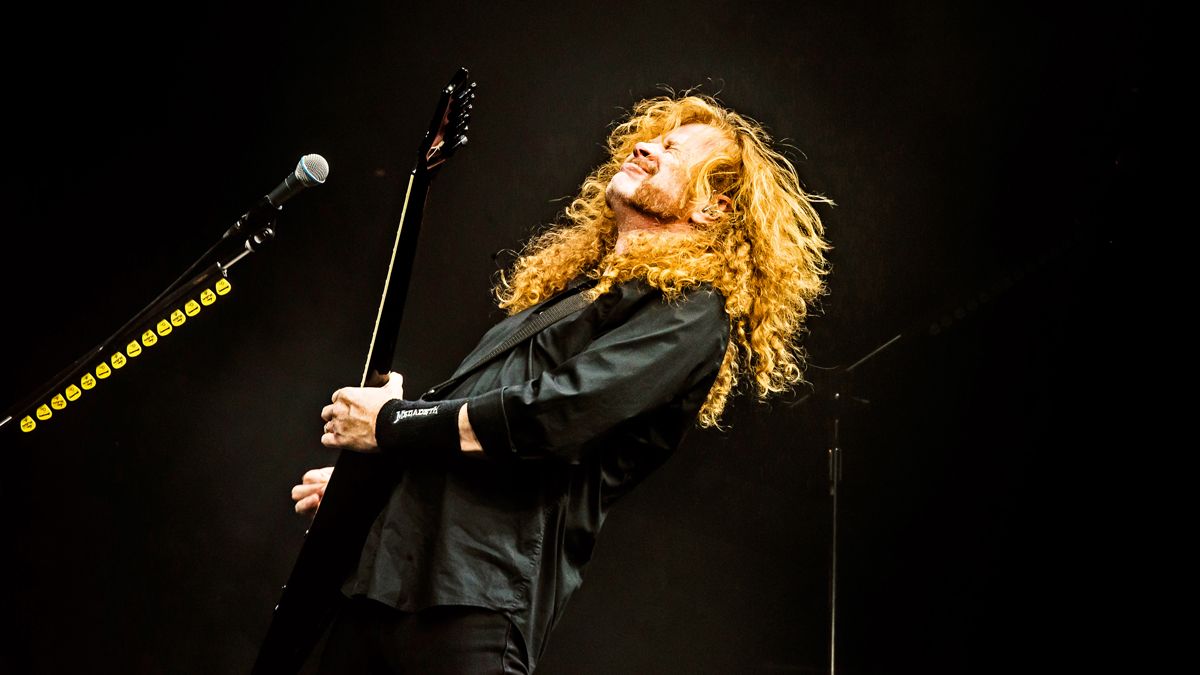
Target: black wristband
419,428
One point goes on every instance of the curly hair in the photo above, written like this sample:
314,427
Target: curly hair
766,254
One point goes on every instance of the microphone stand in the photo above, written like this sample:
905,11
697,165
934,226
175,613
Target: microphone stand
833,390
259,222
1085,241
837,400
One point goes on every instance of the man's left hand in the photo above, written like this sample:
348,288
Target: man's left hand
350,419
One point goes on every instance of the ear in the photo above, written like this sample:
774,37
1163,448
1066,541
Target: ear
713,211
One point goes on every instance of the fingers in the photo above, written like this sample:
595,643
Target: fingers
330,428
321,475
308,505
339,408
301,492
311,491
395,383
350,419
308,497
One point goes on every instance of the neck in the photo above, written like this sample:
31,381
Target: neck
633,225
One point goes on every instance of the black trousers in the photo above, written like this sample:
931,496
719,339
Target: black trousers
368,637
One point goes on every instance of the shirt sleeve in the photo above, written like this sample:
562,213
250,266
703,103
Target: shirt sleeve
647,354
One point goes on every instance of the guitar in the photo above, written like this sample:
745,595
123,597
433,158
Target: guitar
361,484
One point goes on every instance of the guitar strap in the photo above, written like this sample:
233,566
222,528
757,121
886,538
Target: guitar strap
535,324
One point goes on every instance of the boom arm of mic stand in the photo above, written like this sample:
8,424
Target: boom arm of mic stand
172,295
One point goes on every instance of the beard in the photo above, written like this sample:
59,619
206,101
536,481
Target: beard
650,200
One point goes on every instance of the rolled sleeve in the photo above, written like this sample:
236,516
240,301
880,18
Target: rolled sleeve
647,355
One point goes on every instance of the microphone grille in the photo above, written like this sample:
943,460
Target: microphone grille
312,170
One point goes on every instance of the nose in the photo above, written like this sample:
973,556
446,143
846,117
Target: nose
644,149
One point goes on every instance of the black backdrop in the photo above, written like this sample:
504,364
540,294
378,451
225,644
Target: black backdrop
977,153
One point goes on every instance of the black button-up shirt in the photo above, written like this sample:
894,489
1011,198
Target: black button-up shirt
569,421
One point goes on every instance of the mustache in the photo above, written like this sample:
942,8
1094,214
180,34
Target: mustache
648,168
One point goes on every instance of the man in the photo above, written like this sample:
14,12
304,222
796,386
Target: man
698,254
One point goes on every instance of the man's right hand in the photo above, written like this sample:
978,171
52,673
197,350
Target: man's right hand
309,492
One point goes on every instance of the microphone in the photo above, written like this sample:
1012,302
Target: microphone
310,171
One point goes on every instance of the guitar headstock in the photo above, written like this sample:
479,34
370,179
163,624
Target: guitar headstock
448,130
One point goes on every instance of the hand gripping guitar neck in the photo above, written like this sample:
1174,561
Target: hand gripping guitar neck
359,488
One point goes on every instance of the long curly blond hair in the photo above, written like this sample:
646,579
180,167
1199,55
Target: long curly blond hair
766,254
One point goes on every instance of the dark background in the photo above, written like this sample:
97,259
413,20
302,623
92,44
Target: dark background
982,156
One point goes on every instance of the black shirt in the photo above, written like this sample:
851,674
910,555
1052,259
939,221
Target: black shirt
569,421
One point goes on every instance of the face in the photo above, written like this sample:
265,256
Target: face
655,178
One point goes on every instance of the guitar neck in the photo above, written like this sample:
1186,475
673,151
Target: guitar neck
445,135
382,350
